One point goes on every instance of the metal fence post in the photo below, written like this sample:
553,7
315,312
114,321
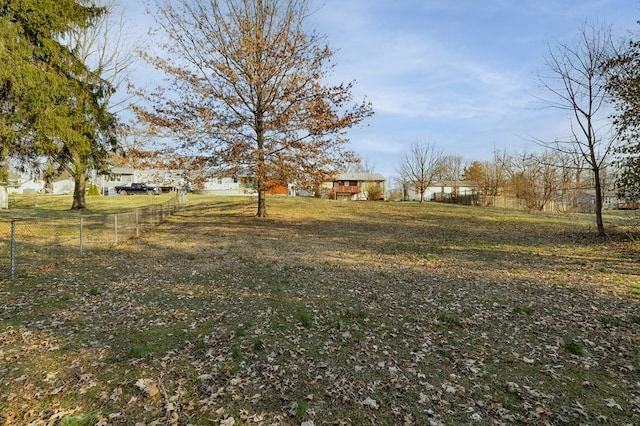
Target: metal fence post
137,223
115,228
13,248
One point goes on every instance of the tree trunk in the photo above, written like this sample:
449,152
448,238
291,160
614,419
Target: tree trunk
262,205
261,184
261,172
79,191
598,206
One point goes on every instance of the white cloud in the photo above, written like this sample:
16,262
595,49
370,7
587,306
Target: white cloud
459,72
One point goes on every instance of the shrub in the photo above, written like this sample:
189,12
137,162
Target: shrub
93,189
375,193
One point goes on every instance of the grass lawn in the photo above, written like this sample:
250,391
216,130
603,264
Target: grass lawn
55,206
331,312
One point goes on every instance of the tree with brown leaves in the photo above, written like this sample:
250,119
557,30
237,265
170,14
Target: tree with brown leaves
247,87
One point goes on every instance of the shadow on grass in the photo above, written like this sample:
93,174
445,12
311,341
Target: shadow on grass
336,301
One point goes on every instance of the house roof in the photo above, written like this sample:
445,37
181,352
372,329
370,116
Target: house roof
359,176
122,170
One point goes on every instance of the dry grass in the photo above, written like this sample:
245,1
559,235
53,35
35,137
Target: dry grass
47,206
331,312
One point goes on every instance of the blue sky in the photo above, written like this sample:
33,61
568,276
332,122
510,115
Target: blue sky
461,74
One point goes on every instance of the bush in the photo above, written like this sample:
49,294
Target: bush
375,193
94,190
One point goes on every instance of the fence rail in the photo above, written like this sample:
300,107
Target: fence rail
32,242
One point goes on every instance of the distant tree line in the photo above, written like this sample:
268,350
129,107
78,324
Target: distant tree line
596,80
537,178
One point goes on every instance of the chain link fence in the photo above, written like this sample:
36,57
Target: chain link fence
36,242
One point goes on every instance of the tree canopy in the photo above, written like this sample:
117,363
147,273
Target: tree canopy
624,86
247,86
50,113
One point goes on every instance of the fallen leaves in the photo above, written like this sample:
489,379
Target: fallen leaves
389,338
148,386
611,403
371,403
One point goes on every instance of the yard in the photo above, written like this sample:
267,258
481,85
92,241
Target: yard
331,312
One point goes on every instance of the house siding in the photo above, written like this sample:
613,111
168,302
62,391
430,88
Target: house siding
354,186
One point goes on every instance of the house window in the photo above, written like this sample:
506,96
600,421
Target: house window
115,178
219,181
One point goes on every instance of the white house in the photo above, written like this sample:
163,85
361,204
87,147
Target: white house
223,185
63,186
117,176
230,185
439,191
167,179
25,186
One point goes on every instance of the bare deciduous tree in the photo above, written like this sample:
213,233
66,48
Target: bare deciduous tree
534,178
452,171
246,87
103,48
420,166
495,173
106,48
577,81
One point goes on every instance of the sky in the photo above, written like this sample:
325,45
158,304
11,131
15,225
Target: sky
461,74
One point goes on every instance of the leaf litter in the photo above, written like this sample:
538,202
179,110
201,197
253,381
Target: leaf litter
330,313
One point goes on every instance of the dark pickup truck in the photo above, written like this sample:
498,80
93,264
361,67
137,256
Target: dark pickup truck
137,188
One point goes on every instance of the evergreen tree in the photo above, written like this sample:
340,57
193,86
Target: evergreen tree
624,86
50,109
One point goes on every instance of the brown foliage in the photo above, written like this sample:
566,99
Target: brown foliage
250,93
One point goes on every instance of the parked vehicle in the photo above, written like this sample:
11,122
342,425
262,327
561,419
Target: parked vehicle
137,188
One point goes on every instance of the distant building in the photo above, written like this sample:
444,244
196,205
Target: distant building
240,185
356,186
4,198
448,189
228,185
63,186
117,176
21,185
167,180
